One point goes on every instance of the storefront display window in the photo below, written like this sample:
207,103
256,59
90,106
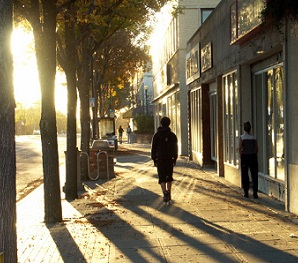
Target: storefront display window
213,124
196,120
270,121
231,119
173,103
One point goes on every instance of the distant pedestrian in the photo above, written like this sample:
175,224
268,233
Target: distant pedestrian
164,153
129,131
248,150
120,132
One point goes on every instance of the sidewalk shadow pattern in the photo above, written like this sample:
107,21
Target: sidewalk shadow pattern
125,220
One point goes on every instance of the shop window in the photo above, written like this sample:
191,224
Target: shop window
245,17
193,65
213,125
196,120
173,112
231,118
206,57
269,115
178,116
169,74
188,68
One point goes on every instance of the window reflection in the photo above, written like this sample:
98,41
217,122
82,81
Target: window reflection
245,15
231,118
196,117
279,123
269,84
270,124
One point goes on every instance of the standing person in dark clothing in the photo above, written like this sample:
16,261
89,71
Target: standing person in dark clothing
164,153
248,150
120,131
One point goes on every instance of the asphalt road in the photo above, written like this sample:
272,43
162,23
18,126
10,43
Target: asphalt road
29,162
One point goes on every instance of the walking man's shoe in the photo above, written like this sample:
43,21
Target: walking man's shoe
166,196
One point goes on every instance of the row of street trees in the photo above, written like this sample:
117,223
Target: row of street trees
27,119
75,33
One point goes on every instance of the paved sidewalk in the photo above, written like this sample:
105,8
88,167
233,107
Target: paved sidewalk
125,220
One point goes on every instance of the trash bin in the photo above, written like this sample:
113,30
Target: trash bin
98,160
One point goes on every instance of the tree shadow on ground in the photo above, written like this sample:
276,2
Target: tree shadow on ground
138,227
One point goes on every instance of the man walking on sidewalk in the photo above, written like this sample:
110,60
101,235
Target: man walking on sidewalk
164,153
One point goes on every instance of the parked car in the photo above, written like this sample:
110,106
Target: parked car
36,132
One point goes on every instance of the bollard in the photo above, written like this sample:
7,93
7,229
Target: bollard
1,257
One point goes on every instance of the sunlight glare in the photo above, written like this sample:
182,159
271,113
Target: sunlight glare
26,84
61,93
163,19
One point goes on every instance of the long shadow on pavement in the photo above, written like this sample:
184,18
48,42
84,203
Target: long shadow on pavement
125,231
214,241
69,250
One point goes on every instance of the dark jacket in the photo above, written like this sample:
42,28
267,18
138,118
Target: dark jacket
164,145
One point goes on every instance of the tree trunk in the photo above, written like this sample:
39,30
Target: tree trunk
70,188
84,88
45,45
85,129
8,239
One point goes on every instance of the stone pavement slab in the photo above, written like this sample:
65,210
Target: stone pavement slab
125,220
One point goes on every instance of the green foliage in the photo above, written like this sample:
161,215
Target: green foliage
61,122
276,11
111,32
144,123
114,62
27,119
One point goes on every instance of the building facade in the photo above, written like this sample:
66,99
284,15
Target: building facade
169,79
239,70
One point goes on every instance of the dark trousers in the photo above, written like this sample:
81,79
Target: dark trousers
165,170
249,161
